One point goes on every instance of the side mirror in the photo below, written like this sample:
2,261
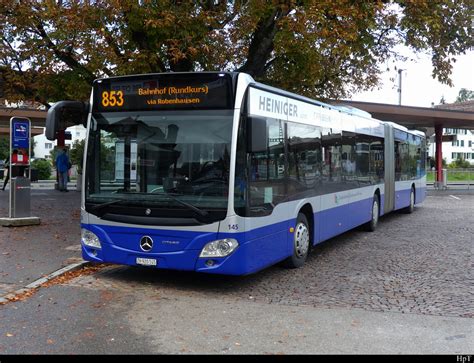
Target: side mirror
257,135
63,115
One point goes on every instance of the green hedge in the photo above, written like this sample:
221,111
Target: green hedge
44,168
453,176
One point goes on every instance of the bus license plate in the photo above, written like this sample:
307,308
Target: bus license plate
146,261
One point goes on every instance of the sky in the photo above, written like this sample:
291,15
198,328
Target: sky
418,86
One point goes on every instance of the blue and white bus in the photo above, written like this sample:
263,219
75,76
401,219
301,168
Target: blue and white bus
230,176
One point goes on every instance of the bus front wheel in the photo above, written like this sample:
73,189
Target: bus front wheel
301,243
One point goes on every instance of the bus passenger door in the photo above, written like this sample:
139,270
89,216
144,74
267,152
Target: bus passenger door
269,223
389,175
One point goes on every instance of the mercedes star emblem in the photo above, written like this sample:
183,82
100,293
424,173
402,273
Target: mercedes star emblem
146,243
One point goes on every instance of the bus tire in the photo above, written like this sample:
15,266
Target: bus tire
411,206
301,243
374,219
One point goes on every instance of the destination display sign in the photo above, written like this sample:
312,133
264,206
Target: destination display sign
164,92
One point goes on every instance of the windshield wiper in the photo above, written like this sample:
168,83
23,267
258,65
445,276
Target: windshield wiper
201,212
103,205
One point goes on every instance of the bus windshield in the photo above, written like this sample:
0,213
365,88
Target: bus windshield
168,160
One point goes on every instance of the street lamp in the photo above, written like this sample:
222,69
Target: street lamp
400,86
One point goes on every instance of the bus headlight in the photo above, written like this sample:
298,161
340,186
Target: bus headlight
219,248
90,239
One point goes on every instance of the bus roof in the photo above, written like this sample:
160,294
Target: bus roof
342,109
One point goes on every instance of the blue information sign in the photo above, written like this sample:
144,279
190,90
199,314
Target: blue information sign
20,133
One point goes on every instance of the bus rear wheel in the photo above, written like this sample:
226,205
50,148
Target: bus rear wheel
411,206
301,243
374,220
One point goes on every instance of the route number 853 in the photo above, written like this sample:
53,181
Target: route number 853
112,98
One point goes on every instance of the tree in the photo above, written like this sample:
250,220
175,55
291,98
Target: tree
4,147
464,95
459,163
32,147
76,154
53,50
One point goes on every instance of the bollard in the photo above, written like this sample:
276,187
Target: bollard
20,197
445,179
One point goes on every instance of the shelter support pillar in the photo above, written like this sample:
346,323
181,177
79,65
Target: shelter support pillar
439,153
61,138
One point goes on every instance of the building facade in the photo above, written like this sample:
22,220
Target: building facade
462,147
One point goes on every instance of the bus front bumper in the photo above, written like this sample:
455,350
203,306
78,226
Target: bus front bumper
188,260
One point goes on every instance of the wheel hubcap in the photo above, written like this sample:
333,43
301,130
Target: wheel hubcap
301,240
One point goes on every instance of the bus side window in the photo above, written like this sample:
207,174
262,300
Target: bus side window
332,147
304,157
266,171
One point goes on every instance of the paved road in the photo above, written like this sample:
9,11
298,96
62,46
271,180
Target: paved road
406,288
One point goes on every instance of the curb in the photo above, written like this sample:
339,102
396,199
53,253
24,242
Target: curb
36,284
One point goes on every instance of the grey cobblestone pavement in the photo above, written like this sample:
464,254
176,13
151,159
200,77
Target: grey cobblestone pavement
414,264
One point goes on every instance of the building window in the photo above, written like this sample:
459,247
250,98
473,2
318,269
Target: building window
462,143
48,145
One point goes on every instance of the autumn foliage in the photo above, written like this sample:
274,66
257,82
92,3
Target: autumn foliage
53,50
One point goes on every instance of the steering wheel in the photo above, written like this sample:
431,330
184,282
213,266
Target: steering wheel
205,165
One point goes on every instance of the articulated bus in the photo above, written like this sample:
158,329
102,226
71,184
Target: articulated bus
221,174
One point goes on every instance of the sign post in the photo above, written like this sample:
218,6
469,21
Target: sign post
20,184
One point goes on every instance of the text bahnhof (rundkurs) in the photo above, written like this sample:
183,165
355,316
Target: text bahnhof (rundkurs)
173,90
